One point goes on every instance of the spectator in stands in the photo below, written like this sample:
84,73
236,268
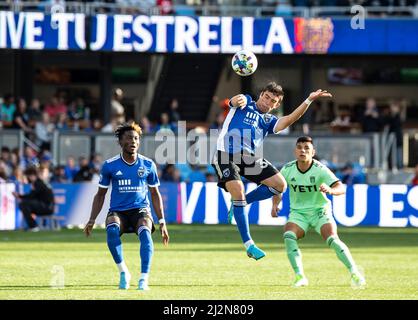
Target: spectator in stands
34,112
165,124
111,126
71,168
77,110
392,122
350,175
44,172
371,121
29,158
6,157
43,131
210,177
117,109
146,125
21,117
96,162
40,201
55,107
165,6
173,113
342,123
7,110
58,175
62,123
196,175
85,173
170,174
219,121
3,175
414,180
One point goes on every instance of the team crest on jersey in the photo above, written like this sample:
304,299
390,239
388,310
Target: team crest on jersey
226,173
312,179
141,172
267,117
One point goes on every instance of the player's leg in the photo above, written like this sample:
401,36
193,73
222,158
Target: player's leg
146,251
328,231
270,180
28,206
294,230
114,225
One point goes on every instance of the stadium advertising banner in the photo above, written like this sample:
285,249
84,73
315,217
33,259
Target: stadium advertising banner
205,203
183,34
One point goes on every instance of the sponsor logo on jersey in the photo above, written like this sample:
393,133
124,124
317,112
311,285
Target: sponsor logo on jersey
226,173
300,188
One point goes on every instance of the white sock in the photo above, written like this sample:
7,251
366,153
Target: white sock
144,276
248,243
122,267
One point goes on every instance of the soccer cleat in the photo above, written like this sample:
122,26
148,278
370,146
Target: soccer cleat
300,281
143,285
231,213
357,280
124,280
254,252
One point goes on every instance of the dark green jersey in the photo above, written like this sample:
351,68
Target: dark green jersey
305,196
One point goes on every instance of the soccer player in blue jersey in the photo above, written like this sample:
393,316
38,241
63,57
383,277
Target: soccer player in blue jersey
248,122
131,175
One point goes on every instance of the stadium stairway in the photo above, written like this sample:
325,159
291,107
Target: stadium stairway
192,79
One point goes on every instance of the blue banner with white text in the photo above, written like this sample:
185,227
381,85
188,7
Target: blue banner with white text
206,34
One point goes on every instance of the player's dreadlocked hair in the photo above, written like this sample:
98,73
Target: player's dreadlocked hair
127,127
274,88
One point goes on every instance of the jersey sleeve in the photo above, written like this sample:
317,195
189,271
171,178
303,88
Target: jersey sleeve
284,171
272,124
105,176
152,178
328,177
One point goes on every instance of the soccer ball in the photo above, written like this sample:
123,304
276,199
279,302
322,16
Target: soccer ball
244,63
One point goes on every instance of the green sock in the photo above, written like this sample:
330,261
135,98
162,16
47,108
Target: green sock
293,252
342,252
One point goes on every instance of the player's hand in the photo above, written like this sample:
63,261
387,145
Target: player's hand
164,233
239,101
319,94
275,212
88,229
324,188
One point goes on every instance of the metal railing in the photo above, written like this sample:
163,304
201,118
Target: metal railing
147,7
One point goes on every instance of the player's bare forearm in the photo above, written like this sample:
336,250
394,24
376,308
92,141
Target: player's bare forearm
97,206
275,208
288,120
338,189
157,203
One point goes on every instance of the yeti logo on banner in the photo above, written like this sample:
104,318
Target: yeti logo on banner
141,172
226,173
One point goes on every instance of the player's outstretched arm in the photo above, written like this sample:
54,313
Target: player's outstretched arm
336,189
238,101
288,120
95,210
157,203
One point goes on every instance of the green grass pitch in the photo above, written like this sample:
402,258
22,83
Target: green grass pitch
207,262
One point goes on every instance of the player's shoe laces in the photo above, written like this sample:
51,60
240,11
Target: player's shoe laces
231,213
124,280
300,281
357,280
143,285
254,252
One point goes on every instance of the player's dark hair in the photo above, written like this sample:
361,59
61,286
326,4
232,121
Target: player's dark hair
304,139
274,88
127,127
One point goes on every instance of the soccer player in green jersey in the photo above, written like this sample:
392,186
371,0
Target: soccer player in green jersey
308,182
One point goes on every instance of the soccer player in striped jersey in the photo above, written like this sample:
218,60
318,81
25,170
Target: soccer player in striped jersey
309,181
248,122
132,176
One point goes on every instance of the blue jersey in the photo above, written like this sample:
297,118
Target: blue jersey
244,129
129,182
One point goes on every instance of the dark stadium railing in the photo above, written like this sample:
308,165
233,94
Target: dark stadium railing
148,8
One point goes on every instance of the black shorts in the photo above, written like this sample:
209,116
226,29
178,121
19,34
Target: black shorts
231,167
129,219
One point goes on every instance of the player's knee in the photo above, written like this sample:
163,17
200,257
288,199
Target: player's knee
112,231
236,190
